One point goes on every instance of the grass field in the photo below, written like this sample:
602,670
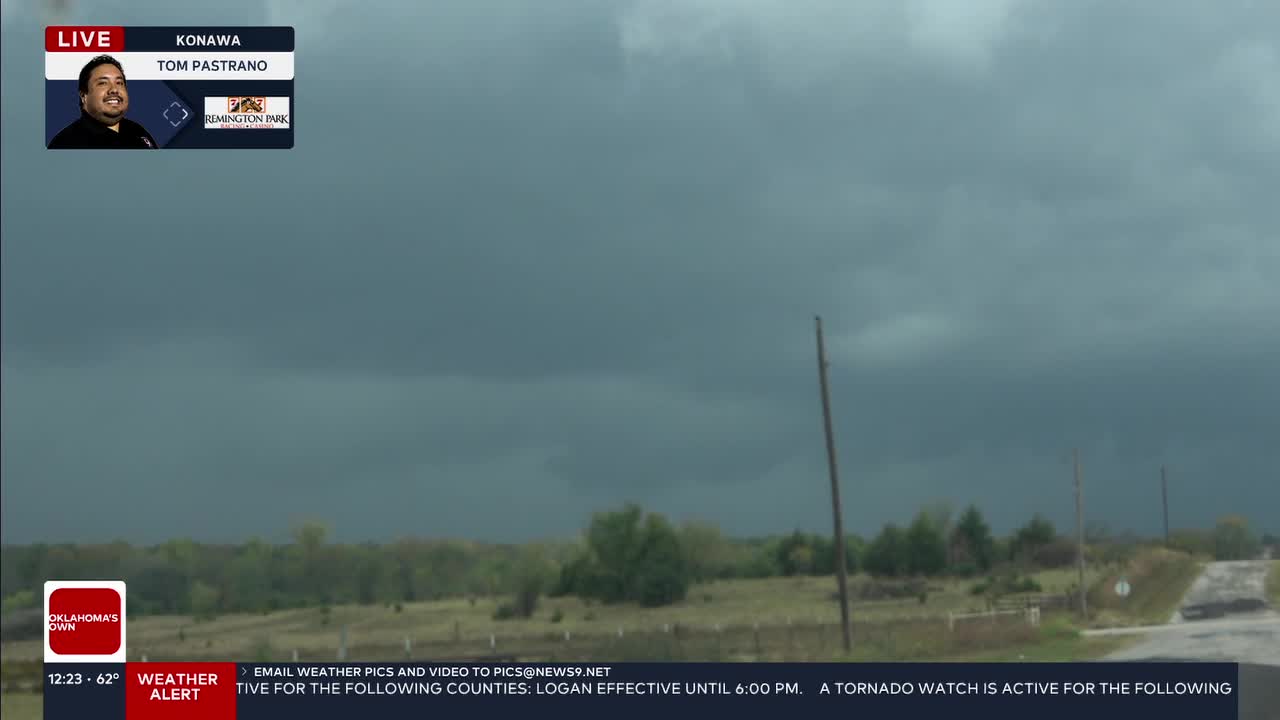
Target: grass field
1058,641
1273,584
462,627
778,619
21,706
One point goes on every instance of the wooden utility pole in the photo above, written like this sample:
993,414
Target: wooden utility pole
842,572
1084,608
1164,497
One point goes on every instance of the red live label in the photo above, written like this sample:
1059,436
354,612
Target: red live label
187,690
89,38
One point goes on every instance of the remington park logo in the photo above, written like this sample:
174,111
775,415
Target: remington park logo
246,112
246,105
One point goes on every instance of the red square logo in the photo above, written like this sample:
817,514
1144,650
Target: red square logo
85,621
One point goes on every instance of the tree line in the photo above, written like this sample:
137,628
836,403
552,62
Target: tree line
624,555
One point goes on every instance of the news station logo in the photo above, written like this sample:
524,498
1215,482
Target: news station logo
84,621
246,113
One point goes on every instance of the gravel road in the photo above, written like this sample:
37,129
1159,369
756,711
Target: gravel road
1252,637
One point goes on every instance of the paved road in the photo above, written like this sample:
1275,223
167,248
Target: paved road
1226,582
1245,638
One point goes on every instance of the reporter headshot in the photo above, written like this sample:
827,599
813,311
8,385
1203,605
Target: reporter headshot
104,100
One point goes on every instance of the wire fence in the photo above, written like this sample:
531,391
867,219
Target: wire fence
899,638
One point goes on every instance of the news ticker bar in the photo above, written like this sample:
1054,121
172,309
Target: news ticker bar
184,87
252,691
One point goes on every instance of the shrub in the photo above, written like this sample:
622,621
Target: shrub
262,650
1024,585
1060,552
1005,584
629,557
526,601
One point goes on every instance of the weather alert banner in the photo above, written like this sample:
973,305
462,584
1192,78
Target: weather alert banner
168,87
744,691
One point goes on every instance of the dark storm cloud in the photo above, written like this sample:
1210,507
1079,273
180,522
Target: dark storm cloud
589,274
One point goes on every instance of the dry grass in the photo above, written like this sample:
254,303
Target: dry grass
1158,578
21,706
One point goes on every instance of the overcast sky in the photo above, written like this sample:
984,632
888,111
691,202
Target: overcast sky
529,260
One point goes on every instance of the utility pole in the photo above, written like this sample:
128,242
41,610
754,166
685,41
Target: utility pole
1084,608
1164,496
842,573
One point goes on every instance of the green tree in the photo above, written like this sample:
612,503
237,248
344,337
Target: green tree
708,554
888,554
615,540
157,587
309,540
248,578
529,587
1233,540
368,576
800,561
1037,533
926,546
629,557
204,600
972,540
940,515
1195,542
662,575
795,554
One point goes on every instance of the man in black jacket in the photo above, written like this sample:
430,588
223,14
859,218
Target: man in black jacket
104,99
